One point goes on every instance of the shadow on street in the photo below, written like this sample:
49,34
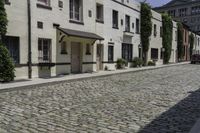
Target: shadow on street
178,119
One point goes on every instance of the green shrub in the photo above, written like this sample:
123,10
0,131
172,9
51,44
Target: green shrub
151,63
121,63
6,65
137,62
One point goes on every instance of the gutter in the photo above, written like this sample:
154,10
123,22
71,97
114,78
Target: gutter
29,40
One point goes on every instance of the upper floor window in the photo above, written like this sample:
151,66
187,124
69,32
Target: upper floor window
99,13
172,13
127,23
137,26
115,19
44,2
76,10
155,30
182,12
7,2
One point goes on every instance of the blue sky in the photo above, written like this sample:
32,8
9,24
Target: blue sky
155,3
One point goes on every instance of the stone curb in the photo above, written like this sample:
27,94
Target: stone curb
92,76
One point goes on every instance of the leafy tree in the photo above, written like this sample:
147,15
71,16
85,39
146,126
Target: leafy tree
146,29
3,19
180,46
6,63
167,37
191,43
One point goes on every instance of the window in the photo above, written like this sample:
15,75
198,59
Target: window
127,25
172,13
155,30
154,53
161,53
12,44
64,48
44,50
115,19
161,31
76,10
99,13
137,26
182,12
127,51
44,2
88,49
110,53
40,25
60,4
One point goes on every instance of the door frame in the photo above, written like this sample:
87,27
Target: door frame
80,56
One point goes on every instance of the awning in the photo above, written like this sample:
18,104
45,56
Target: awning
81,34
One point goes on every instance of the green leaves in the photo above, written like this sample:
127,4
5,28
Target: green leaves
6,65
167,25
3,19
146,28
191,43
180,46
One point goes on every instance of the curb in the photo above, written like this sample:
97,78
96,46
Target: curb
196,128
31,86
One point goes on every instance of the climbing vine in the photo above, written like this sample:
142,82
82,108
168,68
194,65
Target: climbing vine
191,44
180,46
167,25
146,29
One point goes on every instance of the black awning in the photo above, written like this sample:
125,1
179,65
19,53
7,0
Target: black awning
81,34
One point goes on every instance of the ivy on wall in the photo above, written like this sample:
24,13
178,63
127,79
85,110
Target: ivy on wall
191,44
167,25
146,29
180,46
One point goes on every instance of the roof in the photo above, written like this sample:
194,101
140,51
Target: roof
173,3
81,34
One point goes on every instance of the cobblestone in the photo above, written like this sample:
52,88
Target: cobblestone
144,102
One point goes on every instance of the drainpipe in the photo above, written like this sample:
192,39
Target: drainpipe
29,41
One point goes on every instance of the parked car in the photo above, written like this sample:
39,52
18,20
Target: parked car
195,59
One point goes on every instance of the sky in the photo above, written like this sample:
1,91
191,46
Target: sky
156,3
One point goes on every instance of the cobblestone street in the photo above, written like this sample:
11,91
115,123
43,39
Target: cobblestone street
163,100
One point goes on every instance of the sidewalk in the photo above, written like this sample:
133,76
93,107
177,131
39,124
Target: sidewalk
196,128
39,81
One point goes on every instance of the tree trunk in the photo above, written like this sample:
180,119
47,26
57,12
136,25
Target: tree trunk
145,58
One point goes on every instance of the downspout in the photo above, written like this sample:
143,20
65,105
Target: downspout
29,41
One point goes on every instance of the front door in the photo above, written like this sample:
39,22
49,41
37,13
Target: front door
99,57
75,58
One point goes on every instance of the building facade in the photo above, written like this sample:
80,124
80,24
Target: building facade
186,11
56,37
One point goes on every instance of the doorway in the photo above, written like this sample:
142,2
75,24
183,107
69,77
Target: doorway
99,57
75,58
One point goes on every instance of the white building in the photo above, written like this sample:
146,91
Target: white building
75,36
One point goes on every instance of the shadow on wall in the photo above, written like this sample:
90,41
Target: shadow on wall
178,119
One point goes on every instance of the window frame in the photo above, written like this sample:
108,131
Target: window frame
72,10
115,19
110,53
101,10
127,51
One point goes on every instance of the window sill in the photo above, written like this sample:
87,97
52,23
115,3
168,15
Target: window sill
100,21
44,6
76,22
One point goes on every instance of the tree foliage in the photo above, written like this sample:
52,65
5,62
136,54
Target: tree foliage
6,65
3,19
180,46
191,43
146,29
167,25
